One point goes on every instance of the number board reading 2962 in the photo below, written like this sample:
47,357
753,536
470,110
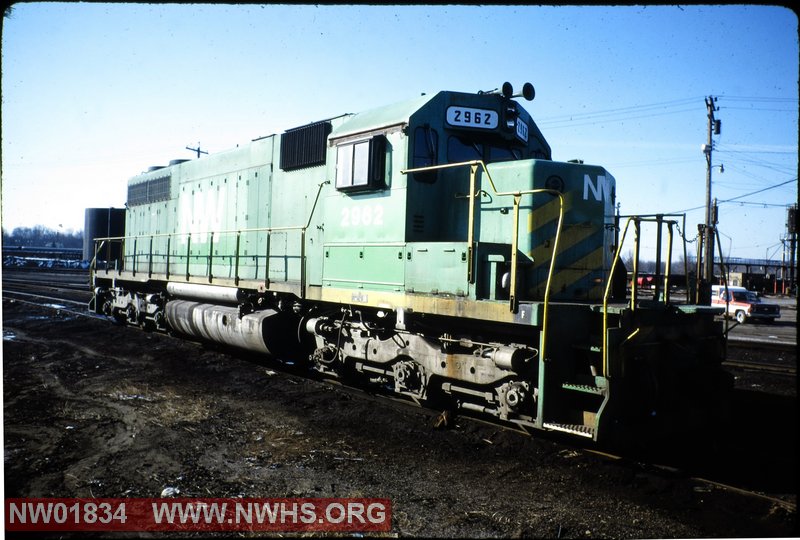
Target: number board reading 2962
474,118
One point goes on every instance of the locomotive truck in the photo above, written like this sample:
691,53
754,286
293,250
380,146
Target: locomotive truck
430,249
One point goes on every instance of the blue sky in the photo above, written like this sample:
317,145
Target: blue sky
95,93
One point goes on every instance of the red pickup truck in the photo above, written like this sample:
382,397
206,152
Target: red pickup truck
743,304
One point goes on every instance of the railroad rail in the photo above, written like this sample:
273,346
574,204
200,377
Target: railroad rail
63,290
46,287
21,283
761,344
768,367
79,308
445,420
673,471
777,357
58,301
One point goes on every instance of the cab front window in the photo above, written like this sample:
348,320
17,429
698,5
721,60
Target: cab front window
467,149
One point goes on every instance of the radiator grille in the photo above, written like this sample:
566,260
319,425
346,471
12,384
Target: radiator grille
150,191
304,146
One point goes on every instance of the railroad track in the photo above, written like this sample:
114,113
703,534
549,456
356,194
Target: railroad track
47,276
25,279
51,293
73,307
57,301
49,288
765,356
774,368
761,344
17,284
63,291
701,481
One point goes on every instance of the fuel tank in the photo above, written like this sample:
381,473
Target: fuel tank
267,331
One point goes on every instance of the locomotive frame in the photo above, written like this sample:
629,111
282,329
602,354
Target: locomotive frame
367,248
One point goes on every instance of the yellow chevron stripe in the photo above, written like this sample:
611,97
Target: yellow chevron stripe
567,277
570,236
548,212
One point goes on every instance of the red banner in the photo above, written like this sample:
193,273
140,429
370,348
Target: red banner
189,515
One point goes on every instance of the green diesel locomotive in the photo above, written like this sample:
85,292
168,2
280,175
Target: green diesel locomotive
429,249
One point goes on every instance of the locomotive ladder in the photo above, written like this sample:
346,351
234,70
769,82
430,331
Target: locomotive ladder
599,384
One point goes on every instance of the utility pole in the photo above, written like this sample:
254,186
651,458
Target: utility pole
792,263
791,227
783,266
197,150
704,284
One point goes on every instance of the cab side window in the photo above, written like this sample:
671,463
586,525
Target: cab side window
426,153
361,165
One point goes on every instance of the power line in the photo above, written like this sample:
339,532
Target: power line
651,162
787,152
760,205
623,113
735,198
756,109
591,122
763,99
759,191
687,210
632,108
733,165
618,114
659,105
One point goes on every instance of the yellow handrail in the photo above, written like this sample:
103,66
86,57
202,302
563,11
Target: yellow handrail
517,196
609,281
668,269
637,220
237,232
230,231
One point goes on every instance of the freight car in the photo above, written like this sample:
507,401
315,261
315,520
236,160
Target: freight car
429,249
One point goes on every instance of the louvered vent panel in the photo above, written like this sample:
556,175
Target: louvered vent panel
150,191
137,194
158,189
304,146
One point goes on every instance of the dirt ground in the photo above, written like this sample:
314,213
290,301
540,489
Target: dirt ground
91,409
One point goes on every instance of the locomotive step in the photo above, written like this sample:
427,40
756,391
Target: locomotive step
588,388
575,429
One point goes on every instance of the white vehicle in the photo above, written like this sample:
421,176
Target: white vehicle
743,304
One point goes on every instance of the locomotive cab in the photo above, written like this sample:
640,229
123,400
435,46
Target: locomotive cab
388,229
457,128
